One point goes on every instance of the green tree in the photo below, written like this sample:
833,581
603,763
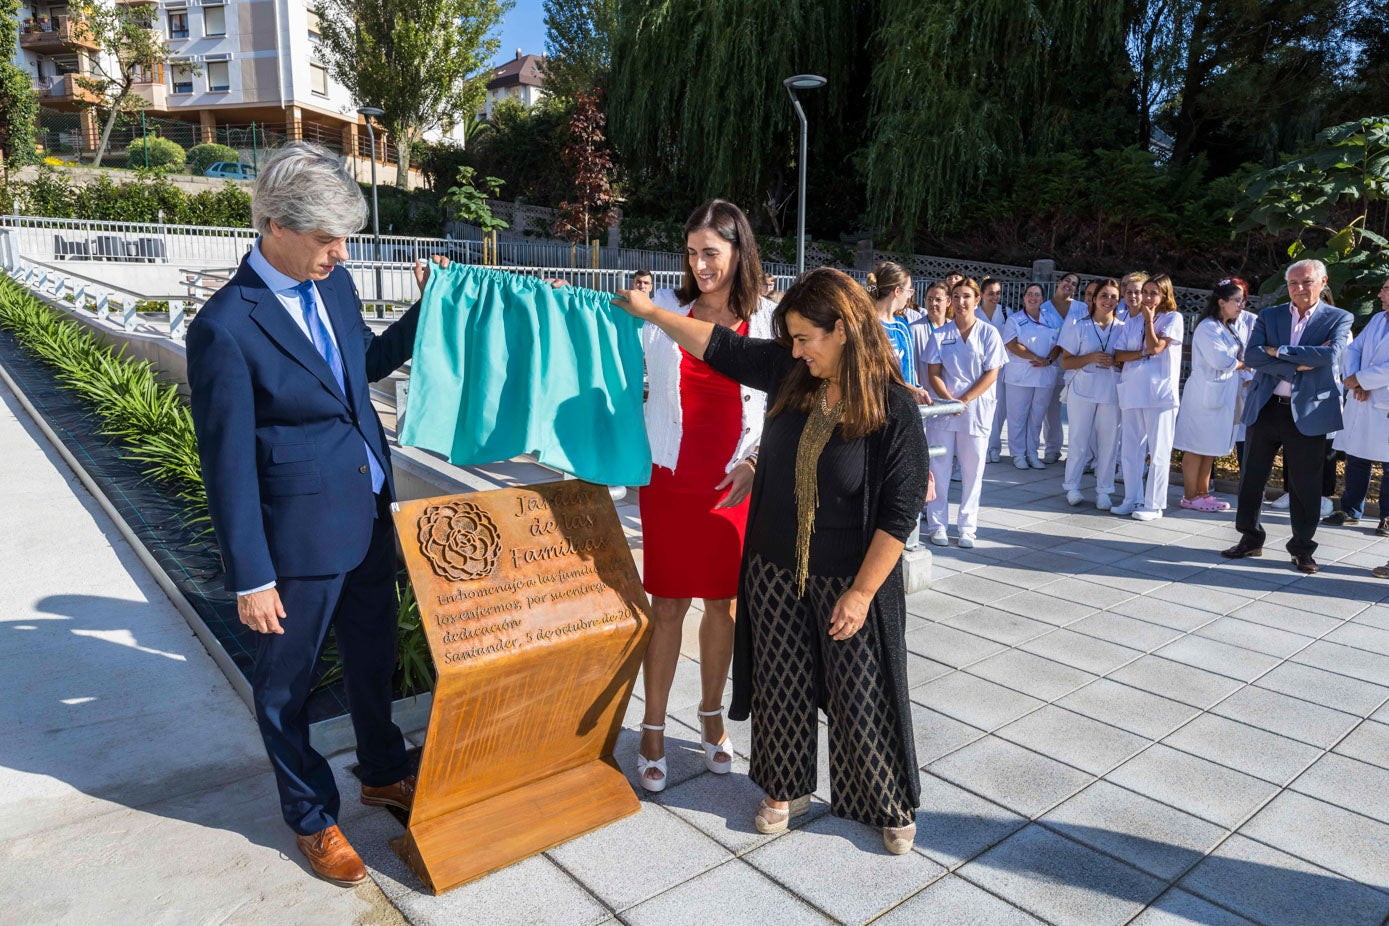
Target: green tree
468,198
424,62
131,50
19,108
963,89
578,40
1255,77
696,107
524,147
1367,84
1335,199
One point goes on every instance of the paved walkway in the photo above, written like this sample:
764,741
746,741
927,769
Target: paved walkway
1116,726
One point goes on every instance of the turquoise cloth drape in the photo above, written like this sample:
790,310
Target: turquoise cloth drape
506,364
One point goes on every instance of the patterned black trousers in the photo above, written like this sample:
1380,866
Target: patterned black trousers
791,651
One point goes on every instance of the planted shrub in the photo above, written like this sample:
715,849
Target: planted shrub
201,157
162,153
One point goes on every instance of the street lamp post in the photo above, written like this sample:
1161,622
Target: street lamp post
802,82
372,112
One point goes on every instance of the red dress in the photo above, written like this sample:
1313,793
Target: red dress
690,549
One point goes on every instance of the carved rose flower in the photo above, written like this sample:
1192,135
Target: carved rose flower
459,540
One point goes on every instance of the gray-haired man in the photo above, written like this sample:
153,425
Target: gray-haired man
298,479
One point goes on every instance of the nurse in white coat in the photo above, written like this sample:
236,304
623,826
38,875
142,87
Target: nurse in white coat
964,363
1030,337
1092,404
1365,437
1213,397
1151,353
994,312
1061,306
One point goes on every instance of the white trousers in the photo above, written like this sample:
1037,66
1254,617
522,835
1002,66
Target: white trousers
1027,409
1000,416
969,450
1093,424
1052,435
1148,432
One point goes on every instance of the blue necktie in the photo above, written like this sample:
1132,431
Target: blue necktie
318,333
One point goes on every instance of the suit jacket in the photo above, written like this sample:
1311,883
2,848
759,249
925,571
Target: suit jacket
1316,393
280,444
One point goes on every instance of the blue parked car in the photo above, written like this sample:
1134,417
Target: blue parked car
230,170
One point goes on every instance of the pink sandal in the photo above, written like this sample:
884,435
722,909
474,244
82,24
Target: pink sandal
1208,503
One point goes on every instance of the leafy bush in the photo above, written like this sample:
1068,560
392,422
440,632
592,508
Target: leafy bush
53,194
201,157
134,406
162,153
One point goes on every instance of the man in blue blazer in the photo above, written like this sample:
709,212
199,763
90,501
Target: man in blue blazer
1294,402
298,477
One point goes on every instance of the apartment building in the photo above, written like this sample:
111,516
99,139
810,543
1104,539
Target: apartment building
233,63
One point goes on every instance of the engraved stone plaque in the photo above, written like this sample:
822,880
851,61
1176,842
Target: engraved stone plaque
537,624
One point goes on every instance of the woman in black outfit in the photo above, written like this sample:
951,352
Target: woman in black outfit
839,483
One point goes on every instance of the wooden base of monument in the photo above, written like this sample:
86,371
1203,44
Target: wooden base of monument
537,624
478,840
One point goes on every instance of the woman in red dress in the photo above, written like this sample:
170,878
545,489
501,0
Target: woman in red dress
704,430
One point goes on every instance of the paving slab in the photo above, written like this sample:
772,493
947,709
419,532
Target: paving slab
1129,708
953,900
975,701
1368,742
1129,632
1080,651
1062,881
1192,784
1031,674
1023,781
1178,908
1287,716
1328,689
821,858
1143,832
1178,681
1074,739
1349,783
954,825
734,885
1247,749
1272,887
949,645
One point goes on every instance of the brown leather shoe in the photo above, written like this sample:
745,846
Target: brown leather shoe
400,795
1241,550
332,857
1305,563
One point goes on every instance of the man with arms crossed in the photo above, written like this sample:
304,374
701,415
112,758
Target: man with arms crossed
1294,402
298,478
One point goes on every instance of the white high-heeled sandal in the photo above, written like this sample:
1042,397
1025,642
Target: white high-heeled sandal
713,749
643,763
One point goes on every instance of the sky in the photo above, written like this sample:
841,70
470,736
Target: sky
523,28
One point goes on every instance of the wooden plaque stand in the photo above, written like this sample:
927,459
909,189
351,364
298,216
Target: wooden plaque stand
537,623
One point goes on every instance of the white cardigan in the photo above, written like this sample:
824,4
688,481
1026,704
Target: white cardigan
663,424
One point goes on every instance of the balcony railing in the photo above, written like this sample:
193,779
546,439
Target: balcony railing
64,88
61,32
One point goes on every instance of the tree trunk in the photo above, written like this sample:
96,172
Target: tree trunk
1189,118
110,124
403,144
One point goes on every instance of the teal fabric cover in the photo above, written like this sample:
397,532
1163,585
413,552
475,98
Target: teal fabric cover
506,364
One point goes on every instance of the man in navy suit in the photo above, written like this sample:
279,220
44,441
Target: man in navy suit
1294,402
298,477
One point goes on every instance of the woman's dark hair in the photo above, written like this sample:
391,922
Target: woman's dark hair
985,283
728,222
1225,289
1100,285
824,296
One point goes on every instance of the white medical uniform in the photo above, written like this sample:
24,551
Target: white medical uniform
1148,401
1092,402
1212,398
1001,313
1030,389
1366,431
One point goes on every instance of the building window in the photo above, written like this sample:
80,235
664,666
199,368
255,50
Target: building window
318,79
182,77
315,27
178,24
218,76
214,20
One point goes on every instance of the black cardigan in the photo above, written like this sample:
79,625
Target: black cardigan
896,464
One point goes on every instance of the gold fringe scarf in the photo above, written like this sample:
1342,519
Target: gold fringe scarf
819,426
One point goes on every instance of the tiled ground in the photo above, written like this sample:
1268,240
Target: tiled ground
1117,726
